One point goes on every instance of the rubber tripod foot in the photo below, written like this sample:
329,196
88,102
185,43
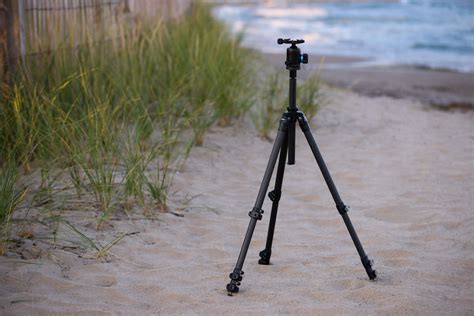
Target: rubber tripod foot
264,257
367,263
232,288
235,278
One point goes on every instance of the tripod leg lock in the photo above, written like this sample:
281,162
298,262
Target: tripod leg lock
256,213
275,195
343,209
236,275
235,278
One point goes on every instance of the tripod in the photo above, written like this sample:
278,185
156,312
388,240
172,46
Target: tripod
285,145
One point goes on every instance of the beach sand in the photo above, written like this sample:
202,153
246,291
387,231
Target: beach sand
442,87
405,168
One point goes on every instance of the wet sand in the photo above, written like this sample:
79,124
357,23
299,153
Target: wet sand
405,168
430,86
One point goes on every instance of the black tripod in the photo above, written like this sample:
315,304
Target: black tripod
285,144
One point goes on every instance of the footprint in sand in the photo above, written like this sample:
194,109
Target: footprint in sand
347,284
396,253
94,274
105,281
396,257
392,214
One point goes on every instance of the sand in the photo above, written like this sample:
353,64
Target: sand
406,169
365,76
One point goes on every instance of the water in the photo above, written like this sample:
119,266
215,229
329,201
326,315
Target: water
431,33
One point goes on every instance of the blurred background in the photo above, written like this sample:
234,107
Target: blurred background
431,33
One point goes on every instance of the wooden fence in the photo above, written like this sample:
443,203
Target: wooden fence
35,26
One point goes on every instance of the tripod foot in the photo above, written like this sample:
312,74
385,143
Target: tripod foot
265,257
367,263
232,288
235,278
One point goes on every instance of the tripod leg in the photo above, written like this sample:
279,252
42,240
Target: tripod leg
275,197
341,207
256,213
291,141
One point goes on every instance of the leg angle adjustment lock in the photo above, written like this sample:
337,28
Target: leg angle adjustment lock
256,213
235,278
343,209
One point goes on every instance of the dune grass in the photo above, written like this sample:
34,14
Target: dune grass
309,97
116,117
270,105
111,121
11,195
273,101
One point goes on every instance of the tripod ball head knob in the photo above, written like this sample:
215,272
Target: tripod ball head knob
304,58
289,41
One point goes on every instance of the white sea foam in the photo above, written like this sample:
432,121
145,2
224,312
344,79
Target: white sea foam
434,33
295,13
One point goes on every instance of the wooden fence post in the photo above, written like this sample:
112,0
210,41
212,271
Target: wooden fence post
9,39
3,38
21,27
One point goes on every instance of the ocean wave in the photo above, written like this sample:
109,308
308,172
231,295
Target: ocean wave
435,33
444,47
295,12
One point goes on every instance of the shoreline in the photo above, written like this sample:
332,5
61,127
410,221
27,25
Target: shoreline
444,88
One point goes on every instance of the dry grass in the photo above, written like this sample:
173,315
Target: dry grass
112,120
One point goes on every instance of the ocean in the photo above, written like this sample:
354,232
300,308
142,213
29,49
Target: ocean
426,33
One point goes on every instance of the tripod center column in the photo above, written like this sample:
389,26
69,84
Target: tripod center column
292,92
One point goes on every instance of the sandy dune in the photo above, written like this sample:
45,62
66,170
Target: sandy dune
406,170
